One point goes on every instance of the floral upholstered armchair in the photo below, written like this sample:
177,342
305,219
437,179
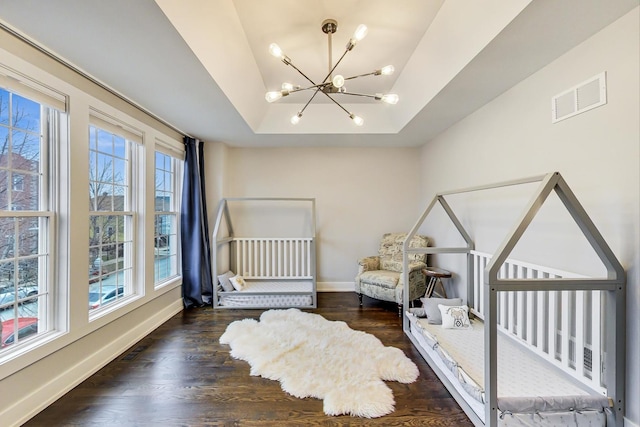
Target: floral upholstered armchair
380,277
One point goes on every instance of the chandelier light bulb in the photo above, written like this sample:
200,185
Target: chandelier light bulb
387,71
287,86
390,98
296,119
338,81
273,96
275,50
360,32
359,121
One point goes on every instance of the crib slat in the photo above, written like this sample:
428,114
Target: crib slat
541,321
579,338
566,333
553,323
297,244
519,331
530,313
596,338
308,264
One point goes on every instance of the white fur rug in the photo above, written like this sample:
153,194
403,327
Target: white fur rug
314,357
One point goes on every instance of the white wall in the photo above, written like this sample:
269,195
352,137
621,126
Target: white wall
598,153
360,194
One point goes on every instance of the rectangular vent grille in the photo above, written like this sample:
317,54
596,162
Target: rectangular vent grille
583,97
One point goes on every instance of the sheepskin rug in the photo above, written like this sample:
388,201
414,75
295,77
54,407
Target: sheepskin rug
314,357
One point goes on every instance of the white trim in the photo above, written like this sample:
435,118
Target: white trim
118,127
629,423
170,147
336,287
16,82
46,394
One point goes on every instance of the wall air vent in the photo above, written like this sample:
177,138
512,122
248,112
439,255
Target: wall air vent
583,97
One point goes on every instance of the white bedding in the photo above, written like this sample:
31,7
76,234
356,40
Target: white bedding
269,294
526,384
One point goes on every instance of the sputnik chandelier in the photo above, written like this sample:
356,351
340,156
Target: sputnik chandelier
331,84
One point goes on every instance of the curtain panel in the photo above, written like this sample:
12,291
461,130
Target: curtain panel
197,289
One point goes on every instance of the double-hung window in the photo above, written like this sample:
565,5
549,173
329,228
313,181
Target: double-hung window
29,139
112,218
168,170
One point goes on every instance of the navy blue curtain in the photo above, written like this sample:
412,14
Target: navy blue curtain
197,287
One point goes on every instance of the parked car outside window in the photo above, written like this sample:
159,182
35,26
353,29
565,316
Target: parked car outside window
26,326
8,295
108,295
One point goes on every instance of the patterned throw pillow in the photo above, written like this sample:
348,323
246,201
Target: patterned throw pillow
431,308
238,282
454,316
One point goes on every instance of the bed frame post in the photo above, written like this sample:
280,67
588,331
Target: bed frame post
491,348
615,359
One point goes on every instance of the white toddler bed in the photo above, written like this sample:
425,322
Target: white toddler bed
277,271
535,354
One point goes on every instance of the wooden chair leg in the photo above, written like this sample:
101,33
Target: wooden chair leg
399,310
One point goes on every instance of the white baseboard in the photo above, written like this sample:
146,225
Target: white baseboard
46,394
335,286
629,423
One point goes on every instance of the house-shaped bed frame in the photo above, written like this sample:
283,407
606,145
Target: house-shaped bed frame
279,271
493,283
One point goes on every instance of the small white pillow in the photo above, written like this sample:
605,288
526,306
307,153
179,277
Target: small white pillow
454,316
224,281
238,282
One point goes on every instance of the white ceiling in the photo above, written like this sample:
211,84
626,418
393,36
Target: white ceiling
203,65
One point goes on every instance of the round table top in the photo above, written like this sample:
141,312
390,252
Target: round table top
436,272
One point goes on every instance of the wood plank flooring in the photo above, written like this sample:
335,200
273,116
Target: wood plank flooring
180,375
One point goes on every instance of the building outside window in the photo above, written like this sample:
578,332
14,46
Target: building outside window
26,216
111,215
167,179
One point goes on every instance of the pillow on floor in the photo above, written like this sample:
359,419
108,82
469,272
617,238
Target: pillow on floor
454,316
430,306
225,282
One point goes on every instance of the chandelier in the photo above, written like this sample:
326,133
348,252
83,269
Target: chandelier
332,84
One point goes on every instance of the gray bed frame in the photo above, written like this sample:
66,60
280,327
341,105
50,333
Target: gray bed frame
263,269
613,284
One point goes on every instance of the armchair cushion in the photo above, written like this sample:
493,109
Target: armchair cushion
382,278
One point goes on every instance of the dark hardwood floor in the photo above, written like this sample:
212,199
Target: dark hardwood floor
180,375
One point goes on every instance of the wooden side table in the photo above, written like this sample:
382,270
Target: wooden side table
435,276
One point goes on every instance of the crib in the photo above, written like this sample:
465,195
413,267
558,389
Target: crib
569,328
279,270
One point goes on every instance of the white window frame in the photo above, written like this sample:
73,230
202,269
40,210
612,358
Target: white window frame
129,216
177,161
52,108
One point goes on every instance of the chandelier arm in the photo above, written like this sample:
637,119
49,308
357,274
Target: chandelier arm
358,94
338,104
334,67
317,87
373,73
303,74
309,101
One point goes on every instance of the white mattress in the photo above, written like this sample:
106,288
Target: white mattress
524,380
261,294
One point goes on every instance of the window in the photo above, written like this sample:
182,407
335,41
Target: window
111,214
167,178
26,216
18,182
